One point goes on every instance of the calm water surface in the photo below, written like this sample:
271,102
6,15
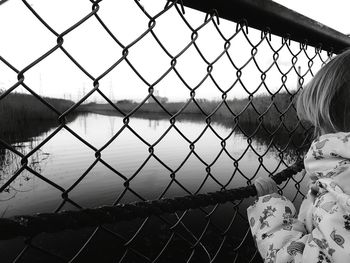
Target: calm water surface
65,158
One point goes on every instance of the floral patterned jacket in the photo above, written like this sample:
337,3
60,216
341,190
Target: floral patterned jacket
321,231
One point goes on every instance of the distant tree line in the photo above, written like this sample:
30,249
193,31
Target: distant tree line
266,109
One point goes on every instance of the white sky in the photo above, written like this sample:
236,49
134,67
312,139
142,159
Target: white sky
24,39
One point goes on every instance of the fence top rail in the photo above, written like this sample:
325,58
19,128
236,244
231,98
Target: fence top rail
267,15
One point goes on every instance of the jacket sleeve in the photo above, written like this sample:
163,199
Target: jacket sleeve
278,234
331,223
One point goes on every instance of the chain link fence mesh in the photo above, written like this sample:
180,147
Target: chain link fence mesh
248,103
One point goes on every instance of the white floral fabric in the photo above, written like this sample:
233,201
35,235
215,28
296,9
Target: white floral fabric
321,231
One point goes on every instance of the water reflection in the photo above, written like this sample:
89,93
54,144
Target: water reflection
153,124
173,166
10,163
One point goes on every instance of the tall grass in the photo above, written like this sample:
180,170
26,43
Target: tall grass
268,119
23,116
260,109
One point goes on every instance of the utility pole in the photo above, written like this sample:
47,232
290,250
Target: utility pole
40,84
111,93
299,78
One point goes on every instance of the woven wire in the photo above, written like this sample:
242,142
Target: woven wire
194,235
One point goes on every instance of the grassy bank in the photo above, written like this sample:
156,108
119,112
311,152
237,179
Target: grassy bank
23,116
262,109
247,112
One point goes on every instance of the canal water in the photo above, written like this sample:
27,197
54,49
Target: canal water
64,158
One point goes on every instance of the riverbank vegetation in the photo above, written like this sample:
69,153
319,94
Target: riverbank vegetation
268,119
269,111
23,116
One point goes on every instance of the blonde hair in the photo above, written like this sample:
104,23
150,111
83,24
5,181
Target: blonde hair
325,101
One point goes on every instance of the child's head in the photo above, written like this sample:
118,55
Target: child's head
325,101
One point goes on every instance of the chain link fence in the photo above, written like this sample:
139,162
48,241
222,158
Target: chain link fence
264,74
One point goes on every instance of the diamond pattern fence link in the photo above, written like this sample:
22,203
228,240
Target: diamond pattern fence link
218,233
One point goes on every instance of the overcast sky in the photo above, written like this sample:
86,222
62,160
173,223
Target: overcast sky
24,39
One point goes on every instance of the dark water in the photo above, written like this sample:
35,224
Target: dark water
64,159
